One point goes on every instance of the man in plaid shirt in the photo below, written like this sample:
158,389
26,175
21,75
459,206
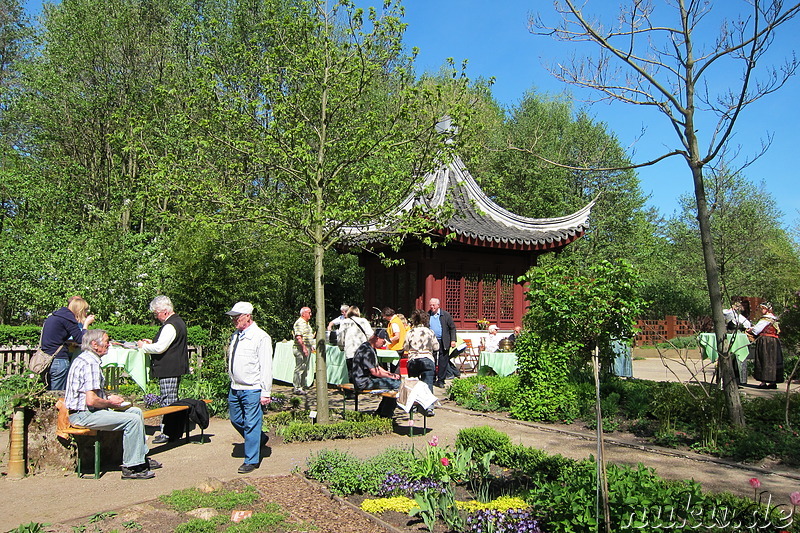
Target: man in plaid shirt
89,407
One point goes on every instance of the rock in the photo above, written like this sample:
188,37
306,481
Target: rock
135,512
210,485
206,513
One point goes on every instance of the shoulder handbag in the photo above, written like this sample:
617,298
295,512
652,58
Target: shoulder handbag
40,361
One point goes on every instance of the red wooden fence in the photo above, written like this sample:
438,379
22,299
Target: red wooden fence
655,331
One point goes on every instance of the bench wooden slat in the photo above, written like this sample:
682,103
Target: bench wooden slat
160,411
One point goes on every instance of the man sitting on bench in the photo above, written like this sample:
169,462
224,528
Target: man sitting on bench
89,407
367,374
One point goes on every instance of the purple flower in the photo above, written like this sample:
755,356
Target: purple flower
795,498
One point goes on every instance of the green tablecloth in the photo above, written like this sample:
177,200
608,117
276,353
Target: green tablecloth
283,365
737,341
503,363
135,362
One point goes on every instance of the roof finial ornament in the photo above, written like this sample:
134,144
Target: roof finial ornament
446,127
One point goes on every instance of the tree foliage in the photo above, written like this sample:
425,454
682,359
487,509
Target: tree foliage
572,310
666,62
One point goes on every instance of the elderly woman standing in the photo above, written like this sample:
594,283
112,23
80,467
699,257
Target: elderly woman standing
353,332
65,324
421,344
769,356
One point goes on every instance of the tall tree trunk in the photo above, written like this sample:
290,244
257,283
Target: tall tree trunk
321,375
724,359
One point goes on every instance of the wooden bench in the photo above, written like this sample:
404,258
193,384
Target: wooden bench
161,411
66,430
349,388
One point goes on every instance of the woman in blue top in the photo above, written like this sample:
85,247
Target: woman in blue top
65,324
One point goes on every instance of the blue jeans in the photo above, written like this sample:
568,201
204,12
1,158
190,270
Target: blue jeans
130,422
244,408
59,371
424,369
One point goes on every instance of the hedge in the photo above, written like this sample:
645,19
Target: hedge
29,335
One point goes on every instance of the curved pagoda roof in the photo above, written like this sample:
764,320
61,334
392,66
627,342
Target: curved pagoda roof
477,220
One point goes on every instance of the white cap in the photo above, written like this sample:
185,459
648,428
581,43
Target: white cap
241,308
493,327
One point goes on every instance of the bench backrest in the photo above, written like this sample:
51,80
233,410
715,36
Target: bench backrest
62,424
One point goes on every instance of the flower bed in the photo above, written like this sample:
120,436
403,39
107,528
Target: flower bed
493,485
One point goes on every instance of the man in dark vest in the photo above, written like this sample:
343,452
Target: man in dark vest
169,354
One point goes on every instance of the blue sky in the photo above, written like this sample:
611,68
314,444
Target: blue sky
493,36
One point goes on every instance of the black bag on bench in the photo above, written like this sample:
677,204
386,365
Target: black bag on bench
175,423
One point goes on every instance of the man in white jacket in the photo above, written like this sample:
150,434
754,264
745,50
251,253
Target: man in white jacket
250,370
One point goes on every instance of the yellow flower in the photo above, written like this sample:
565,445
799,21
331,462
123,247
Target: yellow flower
401,504
503,503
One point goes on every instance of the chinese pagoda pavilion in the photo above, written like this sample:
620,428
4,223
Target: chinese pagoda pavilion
475,274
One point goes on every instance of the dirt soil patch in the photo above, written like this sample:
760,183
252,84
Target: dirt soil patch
309,505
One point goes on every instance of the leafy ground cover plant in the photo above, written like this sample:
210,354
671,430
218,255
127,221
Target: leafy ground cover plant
22,391
345,474
296,425
192,498
485,393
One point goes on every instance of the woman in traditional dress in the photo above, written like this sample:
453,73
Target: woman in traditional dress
769,356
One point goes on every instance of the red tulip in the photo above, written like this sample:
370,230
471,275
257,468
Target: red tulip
445,461
754,482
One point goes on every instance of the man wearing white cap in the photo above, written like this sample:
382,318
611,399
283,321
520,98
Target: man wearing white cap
250,370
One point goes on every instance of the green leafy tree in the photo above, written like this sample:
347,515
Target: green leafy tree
756,256
575,315
305,117
576,308
666,61
524,179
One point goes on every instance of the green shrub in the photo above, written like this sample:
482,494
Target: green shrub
483,439
544,393
485,393
364,426
284,418
678,343
19,335
637,497
345,474
17,390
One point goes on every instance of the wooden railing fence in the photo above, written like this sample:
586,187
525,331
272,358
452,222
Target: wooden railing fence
14,359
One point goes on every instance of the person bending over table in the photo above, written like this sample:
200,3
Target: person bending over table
169,353
367,374
353,332
66,325
89,407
